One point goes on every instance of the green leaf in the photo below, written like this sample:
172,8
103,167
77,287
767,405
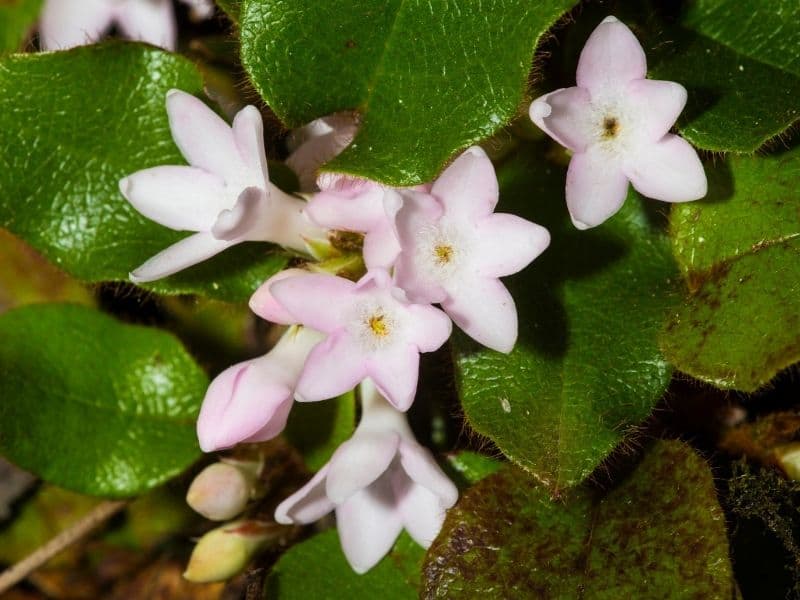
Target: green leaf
74,123
768,32
738,250
429,77
734,101
115,404
470,467
661,533
17,18
586,368
316,568
316,429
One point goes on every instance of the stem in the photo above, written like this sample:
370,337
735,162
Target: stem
96,517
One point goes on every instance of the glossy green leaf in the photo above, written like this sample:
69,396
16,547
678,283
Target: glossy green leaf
470,467
586,369
765,31
429,78
73,123
660,533
115,404
316,429
739,251
317,568
17,18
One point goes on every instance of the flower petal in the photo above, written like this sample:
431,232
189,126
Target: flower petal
205,139
182,198
508,243
308,504
468,187
334,367
360,461
395,371
369,524
357,209
317,143
561,115
596,189
668,170
422,512
181,255
429,328
419,464
486,312
238,222
151,22
658,104
243,401
611,58
263,303
66,24
248,133
301,297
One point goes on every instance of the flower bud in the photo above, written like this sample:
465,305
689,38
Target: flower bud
221,491
223,552
788,456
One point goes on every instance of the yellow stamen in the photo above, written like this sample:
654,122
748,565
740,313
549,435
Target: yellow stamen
610,127
378,325
444,254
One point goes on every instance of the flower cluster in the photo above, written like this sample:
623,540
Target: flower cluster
433,256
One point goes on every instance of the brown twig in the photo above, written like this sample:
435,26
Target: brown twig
96,517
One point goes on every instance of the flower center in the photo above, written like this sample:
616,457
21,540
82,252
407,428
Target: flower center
610,127
379,325
443,254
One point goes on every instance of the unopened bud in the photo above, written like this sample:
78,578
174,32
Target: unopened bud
221,491
223,552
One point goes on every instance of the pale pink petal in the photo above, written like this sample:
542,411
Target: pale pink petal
244,401
308,504
182,198
181,255
369,524
486,312
360,461
152,22
381,247
237,222
562,115
658,104
248,133
422,512
316,300
420,466
596,189
263,303
335,366
395,371
203,137
317,143
360,212
69,23
468,187
668,170
429,328
611,58
507,244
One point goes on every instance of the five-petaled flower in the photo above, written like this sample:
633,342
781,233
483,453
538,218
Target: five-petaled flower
616,122
455,248
68,23
372,331
378,482
225,195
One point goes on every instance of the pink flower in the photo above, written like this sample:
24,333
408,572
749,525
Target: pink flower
68,23
318,142
250,402
378,482
616,123
455,248
225,195
372,331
